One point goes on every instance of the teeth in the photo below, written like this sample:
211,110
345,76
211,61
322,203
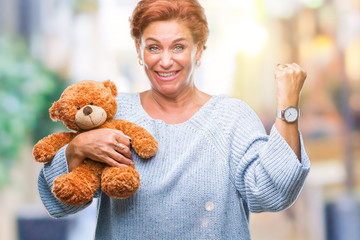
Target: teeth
166,74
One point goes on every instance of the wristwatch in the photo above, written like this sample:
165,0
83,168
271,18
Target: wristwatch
289,114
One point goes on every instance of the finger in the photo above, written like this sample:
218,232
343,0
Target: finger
300,69
111,162
123,149
285,68
120,158
287,65
121,136
281,67
277,73
296,65
289,69
119,146
123,141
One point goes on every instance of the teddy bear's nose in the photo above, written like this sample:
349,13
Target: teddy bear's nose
87,110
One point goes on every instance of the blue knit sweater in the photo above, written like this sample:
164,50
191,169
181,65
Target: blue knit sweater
208,174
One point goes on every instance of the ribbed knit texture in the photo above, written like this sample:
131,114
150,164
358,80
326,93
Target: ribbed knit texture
209,172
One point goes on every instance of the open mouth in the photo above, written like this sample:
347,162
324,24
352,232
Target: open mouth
167,76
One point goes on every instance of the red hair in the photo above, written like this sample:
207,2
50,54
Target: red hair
188,12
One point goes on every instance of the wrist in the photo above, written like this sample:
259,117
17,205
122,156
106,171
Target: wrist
284,103
74,157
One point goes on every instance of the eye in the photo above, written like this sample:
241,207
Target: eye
91,103
78,108
178,48
153,48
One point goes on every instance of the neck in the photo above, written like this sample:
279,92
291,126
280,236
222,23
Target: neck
173,110
168,103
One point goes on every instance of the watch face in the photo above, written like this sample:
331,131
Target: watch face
291,114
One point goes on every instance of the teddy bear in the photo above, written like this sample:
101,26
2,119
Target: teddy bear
84,106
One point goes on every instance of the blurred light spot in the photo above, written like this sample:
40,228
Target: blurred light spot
322,50
283,9
249,36
313,3
352,59
205,222
209,206
247,4
326,173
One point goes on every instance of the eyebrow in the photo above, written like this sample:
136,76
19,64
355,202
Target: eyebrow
155,40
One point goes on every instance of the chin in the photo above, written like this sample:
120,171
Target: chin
168,92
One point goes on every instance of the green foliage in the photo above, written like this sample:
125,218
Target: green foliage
86,6
27,90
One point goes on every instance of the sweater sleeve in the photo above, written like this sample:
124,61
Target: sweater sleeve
58,166
266,171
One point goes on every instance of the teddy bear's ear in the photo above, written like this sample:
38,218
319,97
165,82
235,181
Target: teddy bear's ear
54,112
112,86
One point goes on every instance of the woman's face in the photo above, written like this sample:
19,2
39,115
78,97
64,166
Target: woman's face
169,55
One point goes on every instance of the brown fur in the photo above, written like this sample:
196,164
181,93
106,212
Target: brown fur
79,186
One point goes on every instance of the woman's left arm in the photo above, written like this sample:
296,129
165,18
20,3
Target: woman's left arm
290,79
269,170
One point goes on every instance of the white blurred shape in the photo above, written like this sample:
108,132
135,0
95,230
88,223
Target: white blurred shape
209,206
281,9
248,36
205,222
114,25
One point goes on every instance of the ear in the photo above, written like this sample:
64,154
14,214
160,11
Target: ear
112,86
138,49
54,112
199,51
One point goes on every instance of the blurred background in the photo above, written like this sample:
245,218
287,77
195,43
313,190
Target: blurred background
46,45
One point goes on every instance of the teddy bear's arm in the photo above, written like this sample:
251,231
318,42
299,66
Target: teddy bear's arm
142,141
46,148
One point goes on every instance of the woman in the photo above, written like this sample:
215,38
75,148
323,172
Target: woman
215,163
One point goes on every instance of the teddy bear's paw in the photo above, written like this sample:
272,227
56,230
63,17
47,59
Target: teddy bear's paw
43,154
120,182
145,147
75,190
44,158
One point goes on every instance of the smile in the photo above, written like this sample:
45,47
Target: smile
167,76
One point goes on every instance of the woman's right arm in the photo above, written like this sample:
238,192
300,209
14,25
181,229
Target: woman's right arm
98,145
50,171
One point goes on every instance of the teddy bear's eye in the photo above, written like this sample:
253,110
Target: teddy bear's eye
91,103
78,108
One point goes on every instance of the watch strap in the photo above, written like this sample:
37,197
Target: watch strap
280,114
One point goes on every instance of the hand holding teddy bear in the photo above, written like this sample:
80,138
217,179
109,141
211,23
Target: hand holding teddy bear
85,106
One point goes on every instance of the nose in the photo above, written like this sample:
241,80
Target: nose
166,60
87,110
